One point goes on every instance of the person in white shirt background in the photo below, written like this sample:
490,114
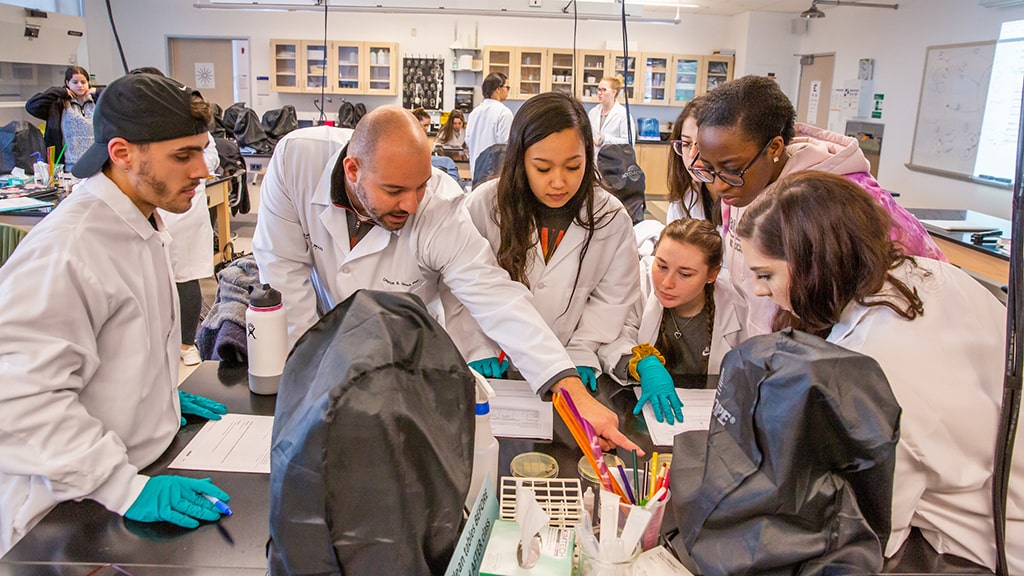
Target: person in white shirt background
608,117
89,317
489,123
347,210
936,333
553,229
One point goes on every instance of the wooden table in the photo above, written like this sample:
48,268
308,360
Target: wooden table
218,193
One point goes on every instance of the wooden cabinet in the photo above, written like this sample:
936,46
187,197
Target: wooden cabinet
313,57
561,69
380,75
527,69
655,72
717,71
284,65
628,78
593,65
653,159
339,67
685,77
346,63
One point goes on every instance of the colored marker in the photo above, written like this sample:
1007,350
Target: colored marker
220,505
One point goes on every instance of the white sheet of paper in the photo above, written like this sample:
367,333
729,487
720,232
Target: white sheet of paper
22,203
518,412
235,443
659,562
697,404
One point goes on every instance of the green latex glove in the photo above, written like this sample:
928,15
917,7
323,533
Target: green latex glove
588,376
177,500
199,406
658,389
490,367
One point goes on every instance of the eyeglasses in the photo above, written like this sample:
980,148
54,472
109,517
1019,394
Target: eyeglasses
682,148
506,87
730,177
599,89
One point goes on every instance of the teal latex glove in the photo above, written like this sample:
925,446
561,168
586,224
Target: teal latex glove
177,500
490,367
589,378
199,406
657,388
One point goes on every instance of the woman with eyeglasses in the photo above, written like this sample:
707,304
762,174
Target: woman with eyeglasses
748,138
608,118
557,232
687,196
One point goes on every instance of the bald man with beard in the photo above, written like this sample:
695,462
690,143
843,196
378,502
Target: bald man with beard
343,210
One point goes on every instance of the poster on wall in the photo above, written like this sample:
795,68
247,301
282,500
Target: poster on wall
423,83
205,77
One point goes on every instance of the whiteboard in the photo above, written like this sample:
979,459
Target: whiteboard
949,117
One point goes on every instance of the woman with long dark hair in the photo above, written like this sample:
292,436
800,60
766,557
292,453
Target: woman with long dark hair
820,247
556,231
67,110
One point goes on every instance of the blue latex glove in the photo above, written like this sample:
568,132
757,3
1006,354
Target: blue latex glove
490,367
589,378
199,406
657,388
177,500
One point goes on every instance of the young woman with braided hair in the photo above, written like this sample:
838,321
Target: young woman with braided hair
688,326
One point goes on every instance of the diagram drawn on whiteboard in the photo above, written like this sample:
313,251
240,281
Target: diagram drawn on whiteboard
953,94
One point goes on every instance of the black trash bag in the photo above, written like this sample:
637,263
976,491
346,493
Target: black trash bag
796,475
622,176
249,132
349,113
231,162
372,448
18,140
219,129
278,122
488,164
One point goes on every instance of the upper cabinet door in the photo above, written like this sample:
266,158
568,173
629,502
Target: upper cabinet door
381,71
314,62
654,75
628,78
530,78
560,70
500,59
347,63
685,75
717,71
594,65
284,65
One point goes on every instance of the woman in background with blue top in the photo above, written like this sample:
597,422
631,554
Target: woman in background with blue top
67,110
556,231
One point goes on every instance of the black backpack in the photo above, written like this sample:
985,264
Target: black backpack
231,162
621,175
18,140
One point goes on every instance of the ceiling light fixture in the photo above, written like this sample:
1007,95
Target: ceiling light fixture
814,12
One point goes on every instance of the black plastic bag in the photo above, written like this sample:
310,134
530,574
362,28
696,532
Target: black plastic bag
18,140
798,470
278,122
372,448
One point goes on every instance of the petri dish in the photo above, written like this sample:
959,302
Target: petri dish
534,465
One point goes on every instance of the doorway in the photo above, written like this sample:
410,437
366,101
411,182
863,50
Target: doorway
815,89
211,65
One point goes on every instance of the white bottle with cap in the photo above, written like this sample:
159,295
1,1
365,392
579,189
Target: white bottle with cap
485,445
266,339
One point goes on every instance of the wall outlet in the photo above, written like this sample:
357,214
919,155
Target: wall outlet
534,3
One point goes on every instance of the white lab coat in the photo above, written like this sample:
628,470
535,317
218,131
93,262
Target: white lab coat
88,358
192,248
616,125
438,253
727,333
946,371
608,285
488,124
